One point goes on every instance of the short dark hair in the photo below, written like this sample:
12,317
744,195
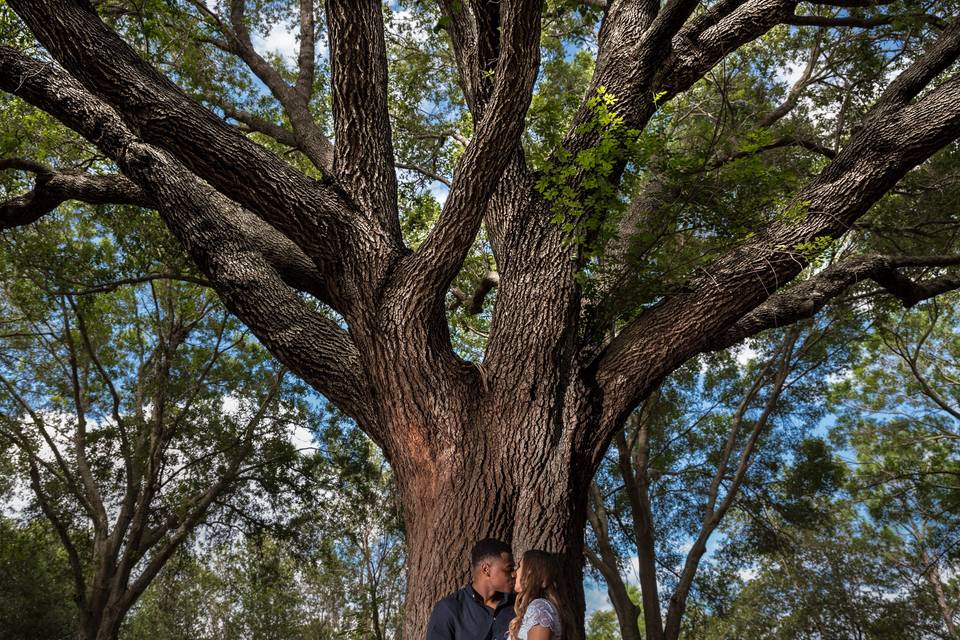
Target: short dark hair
488,548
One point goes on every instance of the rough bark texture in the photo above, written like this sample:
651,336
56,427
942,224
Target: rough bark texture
507,446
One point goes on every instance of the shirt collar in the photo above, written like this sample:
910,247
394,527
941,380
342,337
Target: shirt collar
472,593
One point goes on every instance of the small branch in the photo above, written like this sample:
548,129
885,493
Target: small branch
779,143
858,23
797,89
113,285
474,303
424,171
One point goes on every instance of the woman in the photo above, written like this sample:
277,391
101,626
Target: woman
542,614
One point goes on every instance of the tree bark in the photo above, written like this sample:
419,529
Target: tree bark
502,466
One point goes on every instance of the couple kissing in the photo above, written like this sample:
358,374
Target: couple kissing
504,601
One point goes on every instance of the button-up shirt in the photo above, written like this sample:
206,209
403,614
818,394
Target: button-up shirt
463,616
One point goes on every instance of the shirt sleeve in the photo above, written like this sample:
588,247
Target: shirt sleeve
542,612
440,626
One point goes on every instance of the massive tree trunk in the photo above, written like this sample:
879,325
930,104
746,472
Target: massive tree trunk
480,451
505,446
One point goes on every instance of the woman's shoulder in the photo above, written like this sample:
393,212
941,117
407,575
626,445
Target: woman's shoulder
543,612
541,603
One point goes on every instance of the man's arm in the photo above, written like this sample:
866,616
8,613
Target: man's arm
441,625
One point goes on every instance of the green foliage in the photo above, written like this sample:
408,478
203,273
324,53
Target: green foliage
35,588
603,625
335,572
579,187
834,579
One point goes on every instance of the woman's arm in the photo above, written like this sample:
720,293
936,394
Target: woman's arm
539,632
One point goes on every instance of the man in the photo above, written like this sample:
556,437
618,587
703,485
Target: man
483,609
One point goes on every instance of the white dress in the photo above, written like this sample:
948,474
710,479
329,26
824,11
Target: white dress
540,612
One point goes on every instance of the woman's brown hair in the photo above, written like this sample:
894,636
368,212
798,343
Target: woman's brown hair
540,579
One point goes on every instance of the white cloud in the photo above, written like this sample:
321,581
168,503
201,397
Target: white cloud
406,24
596,598
790,73
302,438
281,40
745,354
748,574
230,404
439,191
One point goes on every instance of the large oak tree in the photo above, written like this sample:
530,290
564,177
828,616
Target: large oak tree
505,445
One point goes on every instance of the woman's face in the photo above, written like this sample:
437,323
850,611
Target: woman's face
519,578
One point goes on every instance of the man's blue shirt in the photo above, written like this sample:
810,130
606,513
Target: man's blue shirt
463,616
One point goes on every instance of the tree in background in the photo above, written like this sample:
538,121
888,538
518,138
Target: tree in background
509,441
35,602
712,433
901,412
336,573
136,407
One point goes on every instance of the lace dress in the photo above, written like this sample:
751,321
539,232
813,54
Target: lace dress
540,612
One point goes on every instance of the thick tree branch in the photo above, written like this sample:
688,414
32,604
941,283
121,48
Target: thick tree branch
806,299
702,43
306,56
214,232
364,143
52,188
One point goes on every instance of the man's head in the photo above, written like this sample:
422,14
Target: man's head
492,563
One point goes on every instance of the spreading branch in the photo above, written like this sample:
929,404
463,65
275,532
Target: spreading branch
806,299
52,188
315,215
212,229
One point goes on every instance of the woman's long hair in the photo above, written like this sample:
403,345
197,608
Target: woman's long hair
540,579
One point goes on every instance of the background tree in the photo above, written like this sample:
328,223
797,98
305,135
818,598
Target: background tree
517,433
900,417
136,407
36,587
715,430
334,573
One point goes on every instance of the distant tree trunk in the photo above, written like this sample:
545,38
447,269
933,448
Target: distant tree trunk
933,577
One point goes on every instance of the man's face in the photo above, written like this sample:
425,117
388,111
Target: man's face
499,572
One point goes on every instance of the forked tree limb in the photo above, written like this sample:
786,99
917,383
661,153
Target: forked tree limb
52,188
423,278
316,215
